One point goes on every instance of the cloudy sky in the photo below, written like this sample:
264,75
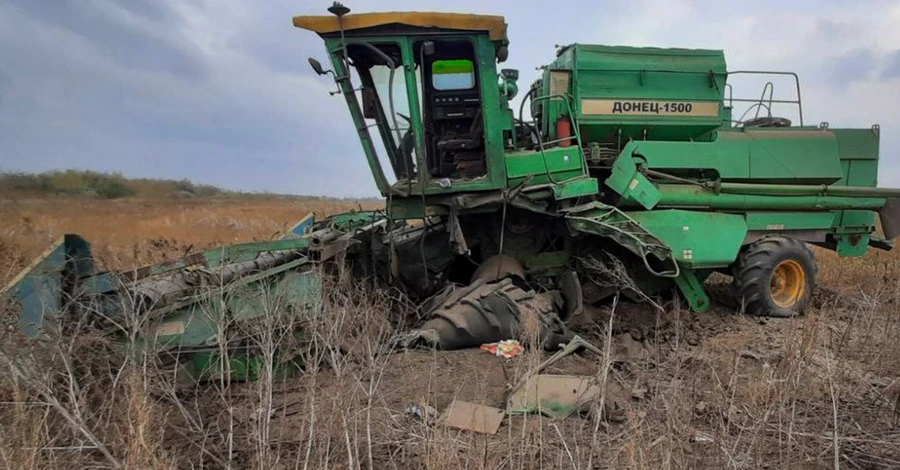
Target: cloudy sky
219,91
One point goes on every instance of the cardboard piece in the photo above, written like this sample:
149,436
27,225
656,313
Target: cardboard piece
472,417
553,395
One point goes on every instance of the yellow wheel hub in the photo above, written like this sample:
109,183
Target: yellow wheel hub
788,283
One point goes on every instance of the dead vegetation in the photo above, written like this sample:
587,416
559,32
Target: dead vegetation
679,390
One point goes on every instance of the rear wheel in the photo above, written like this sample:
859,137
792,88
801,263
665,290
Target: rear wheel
775,276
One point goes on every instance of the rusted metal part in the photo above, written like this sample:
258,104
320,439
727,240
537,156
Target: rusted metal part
196,259
457,238
572,294
173,287
329,250
499,267
320,238
328,243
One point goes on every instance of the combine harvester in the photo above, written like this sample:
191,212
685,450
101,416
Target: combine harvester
631,160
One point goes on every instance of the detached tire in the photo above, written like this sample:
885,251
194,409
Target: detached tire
775,276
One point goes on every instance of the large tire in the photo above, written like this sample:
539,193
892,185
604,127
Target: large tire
487,312
775,276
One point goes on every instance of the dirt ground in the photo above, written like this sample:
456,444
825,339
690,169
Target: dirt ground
680,389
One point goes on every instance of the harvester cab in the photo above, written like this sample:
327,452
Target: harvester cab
427,84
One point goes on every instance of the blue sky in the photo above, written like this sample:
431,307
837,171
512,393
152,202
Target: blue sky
219,91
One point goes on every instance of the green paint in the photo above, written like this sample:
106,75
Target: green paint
237,366
693,196
607,221
629,74
577,187
855,244
631,184
770,156
697,239
692,289
780,221
559,162
545,264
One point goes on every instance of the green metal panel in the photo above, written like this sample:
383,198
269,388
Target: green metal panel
779,221
197,323
608,79
790,157
857,144
632,185
697,239
858,150
545,264
693,196
578,187
691,286
535,163
853,244
38,289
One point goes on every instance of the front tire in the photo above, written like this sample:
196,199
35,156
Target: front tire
775,276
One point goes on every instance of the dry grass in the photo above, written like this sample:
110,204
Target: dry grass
682,390
126,232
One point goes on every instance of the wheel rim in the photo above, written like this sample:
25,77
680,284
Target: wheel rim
788,283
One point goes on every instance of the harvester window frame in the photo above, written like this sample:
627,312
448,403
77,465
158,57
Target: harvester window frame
426,79
390,142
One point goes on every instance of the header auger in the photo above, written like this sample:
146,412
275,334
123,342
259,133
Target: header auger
628,158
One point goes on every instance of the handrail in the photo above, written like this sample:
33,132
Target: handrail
761,102
576,133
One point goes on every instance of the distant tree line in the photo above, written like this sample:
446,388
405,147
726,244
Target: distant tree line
93,184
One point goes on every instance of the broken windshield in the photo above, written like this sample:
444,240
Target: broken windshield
385,102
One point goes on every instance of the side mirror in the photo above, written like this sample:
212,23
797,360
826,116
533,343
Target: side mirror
316,66
502,53
369,103
510,74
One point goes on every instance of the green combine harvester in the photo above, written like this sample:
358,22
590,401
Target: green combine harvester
629,164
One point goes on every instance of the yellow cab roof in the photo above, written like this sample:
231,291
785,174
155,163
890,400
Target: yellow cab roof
494,25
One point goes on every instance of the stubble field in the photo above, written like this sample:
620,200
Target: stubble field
680,390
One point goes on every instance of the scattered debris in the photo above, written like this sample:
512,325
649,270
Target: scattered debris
613,411
638,393
574,345
630,349
702,439
700,408
750,355
425,413
557,396
506,349
472,417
